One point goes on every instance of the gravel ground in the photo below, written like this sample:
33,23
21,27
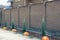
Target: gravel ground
8,35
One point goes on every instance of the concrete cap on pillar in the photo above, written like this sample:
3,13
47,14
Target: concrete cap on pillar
49,0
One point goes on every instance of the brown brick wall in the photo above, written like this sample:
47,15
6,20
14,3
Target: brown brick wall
7,16
53,18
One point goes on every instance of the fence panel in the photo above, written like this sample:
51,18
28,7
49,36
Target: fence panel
14,15
36,17
7,16
24,15
53,15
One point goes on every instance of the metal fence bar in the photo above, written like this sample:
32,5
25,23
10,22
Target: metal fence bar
18,17
29,12
10,16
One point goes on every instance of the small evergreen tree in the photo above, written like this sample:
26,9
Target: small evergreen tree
43,28
5,24
24,25
12,24
0,18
